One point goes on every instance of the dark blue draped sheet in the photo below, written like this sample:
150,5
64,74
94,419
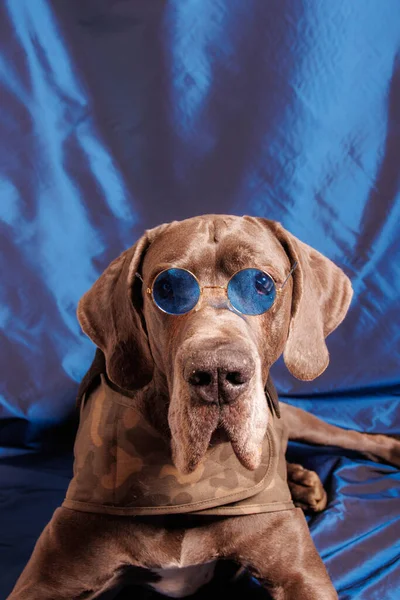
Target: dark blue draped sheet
117,115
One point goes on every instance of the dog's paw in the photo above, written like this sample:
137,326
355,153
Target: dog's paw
306,488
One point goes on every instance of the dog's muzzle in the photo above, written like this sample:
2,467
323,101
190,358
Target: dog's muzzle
218,376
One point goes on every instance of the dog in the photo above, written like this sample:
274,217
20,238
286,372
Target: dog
180,454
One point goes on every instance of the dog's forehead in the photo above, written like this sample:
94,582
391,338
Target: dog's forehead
225,243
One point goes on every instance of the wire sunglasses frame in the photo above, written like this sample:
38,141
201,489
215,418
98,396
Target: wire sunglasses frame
278,290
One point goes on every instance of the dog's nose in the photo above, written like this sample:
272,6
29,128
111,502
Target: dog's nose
218,378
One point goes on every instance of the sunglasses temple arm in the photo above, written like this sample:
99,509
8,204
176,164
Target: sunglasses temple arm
139,277
289,274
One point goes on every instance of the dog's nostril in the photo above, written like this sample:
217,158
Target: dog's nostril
200,378
236,377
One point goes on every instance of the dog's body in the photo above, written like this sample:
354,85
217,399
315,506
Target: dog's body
198,380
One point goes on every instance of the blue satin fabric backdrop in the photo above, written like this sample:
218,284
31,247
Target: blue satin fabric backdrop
118,115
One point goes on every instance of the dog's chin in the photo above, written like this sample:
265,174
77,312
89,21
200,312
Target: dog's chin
187,454
219,436
248,454
196,426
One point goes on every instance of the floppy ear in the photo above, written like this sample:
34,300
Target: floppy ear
110,314
321,297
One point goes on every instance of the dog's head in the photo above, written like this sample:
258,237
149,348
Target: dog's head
212,363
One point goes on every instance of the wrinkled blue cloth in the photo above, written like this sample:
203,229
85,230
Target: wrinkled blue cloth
118,115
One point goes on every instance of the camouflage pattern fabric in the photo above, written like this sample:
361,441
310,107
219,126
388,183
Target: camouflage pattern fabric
123,466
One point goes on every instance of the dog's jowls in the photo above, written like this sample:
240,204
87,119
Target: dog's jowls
199,381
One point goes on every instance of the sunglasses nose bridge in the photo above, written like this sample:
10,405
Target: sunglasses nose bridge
215,296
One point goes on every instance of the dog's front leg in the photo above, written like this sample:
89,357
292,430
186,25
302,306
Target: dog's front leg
75,558
278,550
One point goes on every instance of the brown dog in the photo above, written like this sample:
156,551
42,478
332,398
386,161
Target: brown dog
180,452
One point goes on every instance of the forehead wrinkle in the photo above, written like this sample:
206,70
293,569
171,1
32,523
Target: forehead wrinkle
180,247
218,228
201,263
269,256
242,256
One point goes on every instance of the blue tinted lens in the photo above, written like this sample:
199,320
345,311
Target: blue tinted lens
251,291
176,291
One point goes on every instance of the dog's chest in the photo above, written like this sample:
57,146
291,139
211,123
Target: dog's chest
178,582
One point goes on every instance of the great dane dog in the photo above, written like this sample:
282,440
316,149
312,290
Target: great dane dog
180,454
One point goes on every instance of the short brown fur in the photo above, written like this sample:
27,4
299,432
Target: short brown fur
145,352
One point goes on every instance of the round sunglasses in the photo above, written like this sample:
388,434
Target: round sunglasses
250,291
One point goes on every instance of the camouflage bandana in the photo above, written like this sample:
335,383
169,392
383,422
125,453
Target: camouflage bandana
123,467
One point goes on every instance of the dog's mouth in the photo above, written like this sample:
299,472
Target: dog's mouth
196,428
219,436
